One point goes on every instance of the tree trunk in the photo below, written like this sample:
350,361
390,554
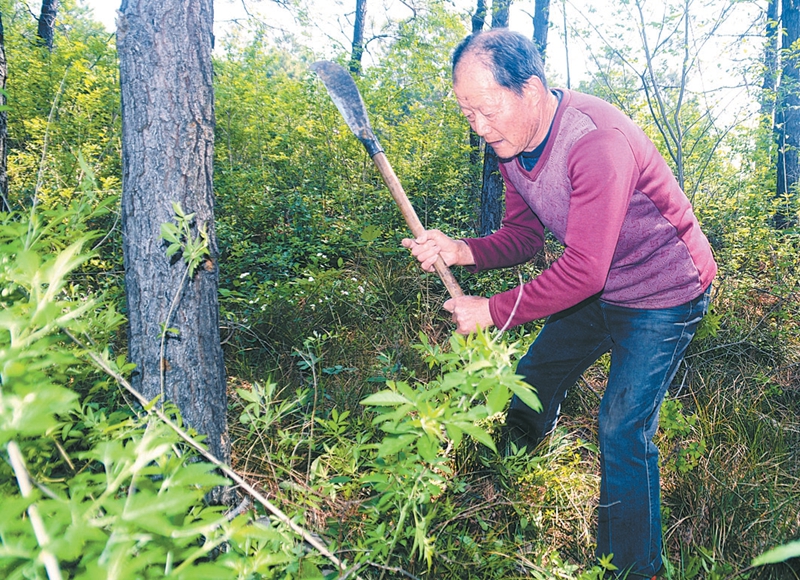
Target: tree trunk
492,206
4,204
787,120
479,17
478,22
167,154
492,189
771,62
47,23
541,24
500,10
358,37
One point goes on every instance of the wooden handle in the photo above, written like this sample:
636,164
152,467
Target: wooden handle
416,227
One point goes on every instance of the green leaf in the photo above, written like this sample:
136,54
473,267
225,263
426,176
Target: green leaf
526,395
477,365
428,447
455,433
265,560
309,571
386,399
248,395
779,554
195,474
371,233
392,445
204,571
478,434
32,410
153,512
170,233
498,398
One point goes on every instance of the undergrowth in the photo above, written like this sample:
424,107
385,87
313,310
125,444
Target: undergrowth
376,432
729,428
351,407
357,413
401,478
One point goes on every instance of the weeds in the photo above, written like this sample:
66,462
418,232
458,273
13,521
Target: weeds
729,440
401,477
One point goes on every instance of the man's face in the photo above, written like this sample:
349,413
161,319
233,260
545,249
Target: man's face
510,123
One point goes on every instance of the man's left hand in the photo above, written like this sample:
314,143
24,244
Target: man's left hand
469,313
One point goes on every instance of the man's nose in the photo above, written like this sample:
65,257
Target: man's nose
480,126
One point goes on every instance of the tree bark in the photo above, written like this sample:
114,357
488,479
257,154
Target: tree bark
358,37
167,155
478,22
787,121
4,204
492,206
500,10
47,23
771,62
492,189
479,17
541,24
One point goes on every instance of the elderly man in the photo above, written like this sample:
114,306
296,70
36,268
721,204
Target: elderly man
634,277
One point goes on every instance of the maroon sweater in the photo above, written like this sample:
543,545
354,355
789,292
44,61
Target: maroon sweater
609,197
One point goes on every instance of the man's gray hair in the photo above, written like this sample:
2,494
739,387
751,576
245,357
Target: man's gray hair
511,57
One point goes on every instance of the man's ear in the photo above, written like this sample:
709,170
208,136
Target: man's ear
534,89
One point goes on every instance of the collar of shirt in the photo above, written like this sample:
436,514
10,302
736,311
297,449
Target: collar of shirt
528,159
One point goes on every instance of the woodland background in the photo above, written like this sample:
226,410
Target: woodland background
361,434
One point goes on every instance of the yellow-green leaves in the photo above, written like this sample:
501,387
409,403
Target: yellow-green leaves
193,248
422,422
477,381
35,306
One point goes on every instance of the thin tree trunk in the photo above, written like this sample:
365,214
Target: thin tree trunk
492,206
358,37
478,22
771,62
492,188
479,17
167,155
500,9
4,204
541,24
787,120
47,22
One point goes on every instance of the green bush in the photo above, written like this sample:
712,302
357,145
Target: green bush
89,489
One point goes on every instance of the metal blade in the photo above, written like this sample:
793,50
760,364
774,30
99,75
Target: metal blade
345,96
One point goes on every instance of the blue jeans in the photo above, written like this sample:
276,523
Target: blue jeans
647,346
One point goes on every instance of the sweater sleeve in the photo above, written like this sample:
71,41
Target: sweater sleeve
602,172
519,238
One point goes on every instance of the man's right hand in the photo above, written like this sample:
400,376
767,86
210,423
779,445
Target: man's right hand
433,243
